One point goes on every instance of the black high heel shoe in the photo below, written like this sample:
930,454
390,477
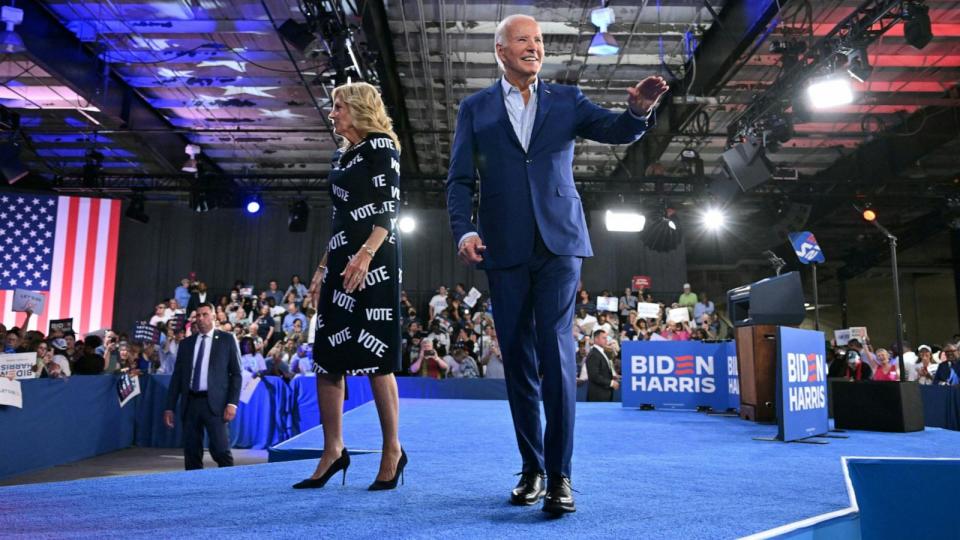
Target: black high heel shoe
380,485
340,464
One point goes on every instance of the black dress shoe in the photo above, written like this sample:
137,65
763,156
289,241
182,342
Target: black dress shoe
381,485
529,490
559,498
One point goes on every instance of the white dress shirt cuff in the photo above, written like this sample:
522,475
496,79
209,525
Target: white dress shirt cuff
232,405
464,237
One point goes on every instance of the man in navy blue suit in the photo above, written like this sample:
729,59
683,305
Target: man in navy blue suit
207,377
517,138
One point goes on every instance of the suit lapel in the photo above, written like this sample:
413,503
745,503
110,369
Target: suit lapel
500,106
544,100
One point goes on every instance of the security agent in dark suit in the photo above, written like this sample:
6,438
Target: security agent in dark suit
602,381
207,376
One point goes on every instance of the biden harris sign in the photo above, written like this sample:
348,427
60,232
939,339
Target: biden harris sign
801,384
679,374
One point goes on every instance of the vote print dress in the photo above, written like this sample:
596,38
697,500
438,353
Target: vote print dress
359,333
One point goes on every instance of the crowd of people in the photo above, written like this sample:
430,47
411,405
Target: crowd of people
447,338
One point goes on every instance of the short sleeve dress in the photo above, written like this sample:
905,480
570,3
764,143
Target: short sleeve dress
359,333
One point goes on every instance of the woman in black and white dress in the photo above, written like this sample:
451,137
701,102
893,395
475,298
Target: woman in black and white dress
356,288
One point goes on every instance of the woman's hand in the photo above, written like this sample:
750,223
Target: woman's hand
313,293
356,271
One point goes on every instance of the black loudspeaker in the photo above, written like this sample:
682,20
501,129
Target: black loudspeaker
746,164
776,300
296,34
877,406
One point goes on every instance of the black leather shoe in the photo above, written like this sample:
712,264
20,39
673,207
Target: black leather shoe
529,490
559,498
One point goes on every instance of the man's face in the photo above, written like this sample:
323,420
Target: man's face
949,353
442,291
291,308
522,49
12,341
600,339
71,340
204,319
273,285
185,283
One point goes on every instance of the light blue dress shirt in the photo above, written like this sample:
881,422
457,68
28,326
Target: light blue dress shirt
521,115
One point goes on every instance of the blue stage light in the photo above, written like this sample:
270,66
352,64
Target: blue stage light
252,204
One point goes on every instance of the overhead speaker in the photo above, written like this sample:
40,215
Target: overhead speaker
746,164
296,34
299,214
11,169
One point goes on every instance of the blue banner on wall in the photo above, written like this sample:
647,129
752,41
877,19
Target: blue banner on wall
678,374
801,384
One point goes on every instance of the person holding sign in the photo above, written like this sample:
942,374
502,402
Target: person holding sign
206,379
517,137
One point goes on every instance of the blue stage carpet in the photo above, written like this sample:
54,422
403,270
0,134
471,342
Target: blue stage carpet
639,474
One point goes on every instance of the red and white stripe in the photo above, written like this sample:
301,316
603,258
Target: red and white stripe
84,267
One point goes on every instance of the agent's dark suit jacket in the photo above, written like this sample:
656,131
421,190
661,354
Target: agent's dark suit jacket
943,371
223,374
598,377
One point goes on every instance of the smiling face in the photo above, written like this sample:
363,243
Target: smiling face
521,49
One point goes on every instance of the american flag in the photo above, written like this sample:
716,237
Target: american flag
64,247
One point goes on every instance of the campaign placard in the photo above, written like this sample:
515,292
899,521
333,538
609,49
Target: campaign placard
641,283
128,387
801,384
143,332
648,310
24,300
471,298
21,364
61,325
677,374
733,378
680,315
11,393
607,303
806,247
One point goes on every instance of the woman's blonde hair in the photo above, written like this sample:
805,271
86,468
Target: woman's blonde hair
367,110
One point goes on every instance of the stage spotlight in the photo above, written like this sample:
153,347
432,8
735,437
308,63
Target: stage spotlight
299,213
10,40
624,221
136,210
858,65
869,214
916,27
407,224
714,219
829,91
11,168
664,233
190,166
603,44
252,204
297,34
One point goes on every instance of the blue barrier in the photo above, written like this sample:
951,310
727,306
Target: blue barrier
63,420
679,374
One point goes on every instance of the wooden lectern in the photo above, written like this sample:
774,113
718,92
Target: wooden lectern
757,364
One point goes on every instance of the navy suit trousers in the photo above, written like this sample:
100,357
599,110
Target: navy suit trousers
533,312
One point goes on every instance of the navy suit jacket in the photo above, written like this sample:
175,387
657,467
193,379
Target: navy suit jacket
223,373
943,371
523,190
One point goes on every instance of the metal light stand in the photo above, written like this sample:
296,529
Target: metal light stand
896,294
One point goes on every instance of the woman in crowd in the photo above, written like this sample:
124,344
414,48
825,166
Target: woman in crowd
886,370
926,368
584,303
430,363
358,275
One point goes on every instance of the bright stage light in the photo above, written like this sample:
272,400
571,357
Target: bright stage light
831,91
869,214
407,224
603,43
253,204
624,221
714,219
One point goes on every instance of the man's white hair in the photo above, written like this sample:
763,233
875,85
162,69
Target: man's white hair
500,35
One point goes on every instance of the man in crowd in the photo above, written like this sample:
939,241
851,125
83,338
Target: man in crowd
627,303
182,293
703,307
688,299
293,315
438,303
273,291
948,372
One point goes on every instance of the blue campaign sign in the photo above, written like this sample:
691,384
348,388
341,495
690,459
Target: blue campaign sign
801,384
806,247
677,374
733,377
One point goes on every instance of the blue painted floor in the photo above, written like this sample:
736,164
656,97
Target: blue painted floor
640,475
